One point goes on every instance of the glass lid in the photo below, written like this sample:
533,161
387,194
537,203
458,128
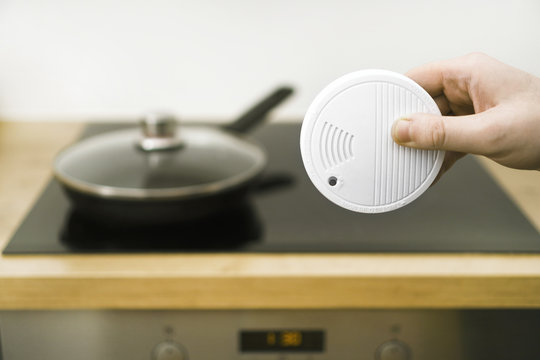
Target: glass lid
123,164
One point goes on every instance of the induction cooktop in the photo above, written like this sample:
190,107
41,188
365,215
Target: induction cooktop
466,211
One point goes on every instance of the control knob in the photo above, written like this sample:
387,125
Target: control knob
169,350
393,350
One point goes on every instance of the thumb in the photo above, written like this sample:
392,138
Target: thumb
435,132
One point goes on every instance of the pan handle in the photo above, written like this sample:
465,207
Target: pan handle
258,112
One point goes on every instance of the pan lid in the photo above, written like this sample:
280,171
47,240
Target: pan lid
159,164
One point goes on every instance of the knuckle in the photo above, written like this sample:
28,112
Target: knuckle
429,133
437,133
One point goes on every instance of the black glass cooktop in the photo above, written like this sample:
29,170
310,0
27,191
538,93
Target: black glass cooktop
465,212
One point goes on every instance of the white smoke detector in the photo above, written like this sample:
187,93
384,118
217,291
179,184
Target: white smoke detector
347,147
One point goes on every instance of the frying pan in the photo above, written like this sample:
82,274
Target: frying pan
165,172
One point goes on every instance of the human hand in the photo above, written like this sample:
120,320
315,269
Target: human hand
489,108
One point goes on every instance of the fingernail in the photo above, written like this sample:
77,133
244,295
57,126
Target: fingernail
400,130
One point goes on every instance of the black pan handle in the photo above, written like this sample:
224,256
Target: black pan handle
258,112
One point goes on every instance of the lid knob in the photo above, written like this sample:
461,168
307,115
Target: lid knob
159,132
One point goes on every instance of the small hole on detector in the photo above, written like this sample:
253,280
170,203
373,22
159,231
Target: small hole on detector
332,180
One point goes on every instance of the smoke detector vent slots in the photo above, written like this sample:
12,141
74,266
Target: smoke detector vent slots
336,146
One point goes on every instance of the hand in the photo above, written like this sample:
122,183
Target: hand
488,108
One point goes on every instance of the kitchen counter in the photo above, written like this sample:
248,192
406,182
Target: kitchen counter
241,281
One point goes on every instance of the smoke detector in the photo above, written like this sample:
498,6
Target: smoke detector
347,148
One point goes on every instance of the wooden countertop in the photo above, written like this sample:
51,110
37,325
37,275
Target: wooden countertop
228,281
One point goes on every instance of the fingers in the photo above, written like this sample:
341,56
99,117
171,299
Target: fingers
450,78
442,104
467,134
430,77
438,76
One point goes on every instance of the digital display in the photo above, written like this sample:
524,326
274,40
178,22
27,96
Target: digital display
282,341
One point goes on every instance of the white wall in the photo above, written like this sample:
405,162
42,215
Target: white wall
62,59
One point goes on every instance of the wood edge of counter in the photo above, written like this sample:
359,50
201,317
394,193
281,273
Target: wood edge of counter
185,266
271,293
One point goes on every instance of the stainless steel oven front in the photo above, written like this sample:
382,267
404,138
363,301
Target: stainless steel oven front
270,334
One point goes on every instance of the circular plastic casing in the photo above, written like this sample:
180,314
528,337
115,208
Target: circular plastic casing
347,148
